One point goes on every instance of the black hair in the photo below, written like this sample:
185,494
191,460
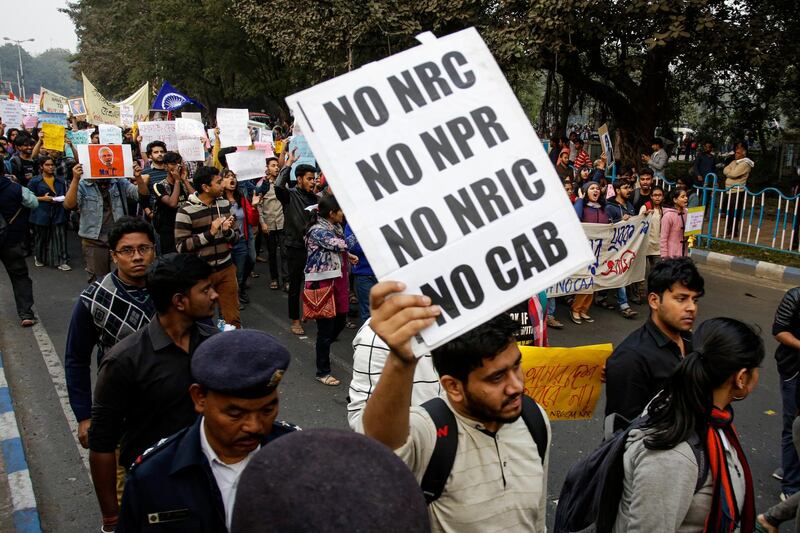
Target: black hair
154,144
224,152
172,157
327,205
271,159
578,141
668,272
564,140
620,182
302,170
173,274
204,176
669,200
647,171
658,141
126,225
23,139
43,158
722,347
655,188
459,357
9,131
237,192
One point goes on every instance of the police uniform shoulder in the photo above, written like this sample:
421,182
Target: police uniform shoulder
158,448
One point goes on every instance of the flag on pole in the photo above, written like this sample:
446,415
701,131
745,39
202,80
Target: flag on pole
169,99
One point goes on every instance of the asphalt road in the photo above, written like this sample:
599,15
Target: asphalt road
34,358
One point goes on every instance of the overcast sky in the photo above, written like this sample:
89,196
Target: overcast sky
42,21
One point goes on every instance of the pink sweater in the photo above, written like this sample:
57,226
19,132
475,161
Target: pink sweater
672,228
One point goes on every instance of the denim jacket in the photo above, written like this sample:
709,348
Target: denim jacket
90,204
48,212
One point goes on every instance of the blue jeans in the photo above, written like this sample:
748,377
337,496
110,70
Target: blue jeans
622,299
551,307
362,286
789,460
240,253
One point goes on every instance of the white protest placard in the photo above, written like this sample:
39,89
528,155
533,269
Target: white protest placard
110,134
248,165
29,110
126,115
159,130
193,115
443,180
232,124
606,144
694,220
211,136
101,161
191,138
11,113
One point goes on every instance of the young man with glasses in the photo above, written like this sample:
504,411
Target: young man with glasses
107,311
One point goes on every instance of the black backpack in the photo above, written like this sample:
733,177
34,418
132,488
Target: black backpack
444,453
592,490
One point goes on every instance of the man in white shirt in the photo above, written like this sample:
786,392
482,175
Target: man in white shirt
189,480
498,479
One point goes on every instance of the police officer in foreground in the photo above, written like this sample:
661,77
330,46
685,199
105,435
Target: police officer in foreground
188,481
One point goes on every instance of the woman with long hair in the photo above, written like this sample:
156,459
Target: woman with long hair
246,218
49,219
590,209
694,410
673,224
327,265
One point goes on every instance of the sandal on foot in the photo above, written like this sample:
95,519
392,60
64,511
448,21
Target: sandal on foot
586,318
628,313
328,380
297,330
575,319
273,285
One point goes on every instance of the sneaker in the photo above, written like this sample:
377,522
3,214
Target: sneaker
552,322
65,267
628,313
778,474
783,496
37,263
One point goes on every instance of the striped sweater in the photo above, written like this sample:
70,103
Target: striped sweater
193,231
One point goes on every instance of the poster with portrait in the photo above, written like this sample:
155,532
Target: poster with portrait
77,107
606,145
102,161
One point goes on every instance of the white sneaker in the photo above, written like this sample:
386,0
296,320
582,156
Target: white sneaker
65,267
37,263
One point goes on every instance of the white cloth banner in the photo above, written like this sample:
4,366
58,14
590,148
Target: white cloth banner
232,124
443,180
159,130
619,258
247,165
110,134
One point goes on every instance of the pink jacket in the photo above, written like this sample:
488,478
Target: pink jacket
673,225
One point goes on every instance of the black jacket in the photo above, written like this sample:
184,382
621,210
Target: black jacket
294,201
787,318
171,487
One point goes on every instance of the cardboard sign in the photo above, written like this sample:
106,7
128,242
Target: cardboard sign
52,102
694,220
126,115
110,134
443,180
606,145
232,124
160,130
11,113
619,258
565,382
247,165
53,137
77,107
106,160
81,136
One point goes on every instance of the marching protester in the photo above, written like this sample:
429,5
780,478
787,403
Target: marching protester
618,209
295,201
23,165
235,392
272,219
246,218
49,219
641,195
142,391
363,276
100,202
481,375
590,210
326,275
639,365
15,201
673,225
206,227
654,208
107,311
169,194
695,410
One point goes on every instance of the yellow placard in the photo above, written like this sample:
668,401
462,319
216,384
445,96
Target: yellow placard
53,137
565,382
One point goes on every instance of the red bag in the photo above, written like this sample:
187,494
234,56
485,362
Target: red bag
318,303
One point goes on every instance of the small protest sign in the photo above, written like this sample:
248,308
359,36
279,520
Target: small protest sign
159,130
619,258
126,115
81,136
605,144
110,134
443,180
52,102
247,165
29,110
11,113
193,115
53,118
232,124
191,138
302,151
53,137
30,122
694,220
77,107
565,382
105,160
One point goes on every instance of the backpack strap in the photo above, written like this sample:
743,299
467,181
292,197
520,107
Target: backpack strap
532,416
702,462
444,453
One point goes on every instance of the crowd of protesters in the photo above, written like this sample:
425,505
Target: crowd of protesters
183,413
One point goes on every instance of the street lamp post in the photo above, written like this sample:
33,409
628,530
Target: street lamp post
19,52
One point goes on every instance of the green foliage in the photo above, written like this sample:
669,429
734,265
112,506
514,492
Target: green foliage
49,69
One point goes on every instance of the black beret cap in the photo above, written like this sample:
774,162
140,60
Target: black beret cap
328,480
244,363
